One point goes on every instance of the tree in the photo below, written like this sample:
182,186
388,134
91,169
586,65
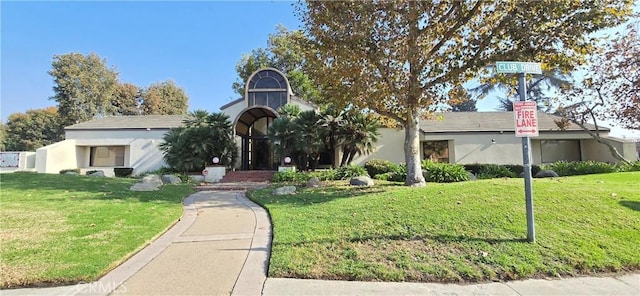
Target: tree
401,58
126,98
609,90
204,136
83,87
284,52
34,129
164,98
357,135
462,101
3,135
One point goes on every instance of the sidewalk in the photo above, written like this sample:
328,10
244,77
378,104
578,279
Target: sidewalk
219,247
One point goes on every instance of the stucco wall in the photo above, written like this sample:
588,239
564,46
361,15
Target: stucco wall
55,157
592,150
142,152
389,146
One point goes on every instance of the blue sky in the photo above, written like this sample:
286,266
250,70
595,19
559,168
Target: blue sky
196,44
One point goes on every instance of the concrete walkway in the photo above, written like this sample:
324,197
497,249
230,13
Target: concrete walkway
221,246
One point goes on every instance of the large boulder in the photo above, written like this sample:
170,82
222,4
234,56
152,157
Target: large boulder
546,174
361,181
284,190
152,179
171,179
97,174
314,183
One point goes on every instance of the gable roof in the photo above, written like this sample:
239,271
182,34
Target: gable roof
130,122
455,122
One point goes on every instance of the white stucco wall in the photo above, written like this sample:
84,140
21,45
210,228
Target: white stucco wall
592,150
55,157
390,146
142,152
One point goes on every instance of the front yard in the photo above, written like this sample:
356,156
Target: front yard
458,232
62,229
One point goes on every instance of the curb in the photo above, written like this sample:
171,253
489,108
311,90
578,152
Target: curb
254,272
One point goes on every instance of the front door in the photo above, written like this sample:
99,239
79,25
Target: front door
261,154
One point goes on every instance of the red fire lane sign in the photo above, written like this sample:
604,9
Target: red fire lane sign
526,118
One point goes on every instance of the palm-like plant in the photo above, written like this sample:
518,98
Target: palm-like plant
191,148
358,135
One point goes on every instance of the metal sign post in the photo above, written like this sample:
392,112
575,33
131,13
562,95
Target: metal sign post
521,68
526,159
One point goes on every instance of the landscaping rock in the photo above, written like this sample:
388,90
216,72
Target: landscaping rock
472,177
144,187
314,183
361,181
171,179
153,179
546,174
97,174
71,173
197,178
284,190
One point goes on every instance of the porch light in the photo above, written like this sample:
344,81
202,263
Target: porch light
287,160
493,141
216,160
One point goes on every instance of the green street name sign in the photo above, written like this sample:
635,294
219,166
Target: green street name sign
519,67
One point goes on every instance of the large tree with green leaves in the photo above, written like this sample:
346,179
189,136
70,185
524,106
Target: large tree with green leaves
126,99
204,135
402,58
164,98
284,52
33,129
83,87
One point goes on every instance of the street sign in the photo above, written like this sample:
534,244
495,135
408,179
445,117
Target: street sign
519,67
526,118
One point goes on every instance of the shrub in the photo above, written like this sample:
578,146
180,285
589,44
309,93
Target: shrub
379,166
632,167
323,175
491,171
565,168
91,172
517,169
444,172
384,176
122,172
70,170
290,176
350,171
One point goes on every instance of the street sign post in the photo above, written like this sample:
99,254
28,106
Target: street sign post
526,118
529,127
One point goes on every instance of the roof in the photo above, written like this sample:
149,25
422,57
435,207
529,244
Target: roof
130,122
227,105
455,122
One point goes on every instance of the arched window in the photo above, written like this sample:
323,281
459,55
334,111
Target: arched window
267,88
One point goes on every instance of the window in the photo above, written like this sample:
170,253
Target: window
437,151
268,88
556,150
106,156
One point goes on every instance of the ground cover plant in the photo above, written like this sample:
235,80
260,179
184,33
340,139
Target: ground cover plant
456,232
62,229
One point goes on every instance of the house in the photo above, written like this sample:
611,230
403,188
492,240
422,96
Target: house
465,137
489,137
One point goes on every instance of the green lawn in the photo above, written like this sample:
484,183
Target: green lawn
57,229
458,232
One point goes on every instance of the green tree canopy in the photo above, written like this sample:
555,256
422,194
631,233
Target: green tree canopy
126,99
284,52
34,129
164,98
83,87
402,58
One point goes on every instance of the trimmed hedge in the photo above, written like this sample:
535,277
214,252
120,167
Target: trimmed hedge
380,166
495,171
573,168
62,172
517,169
444,172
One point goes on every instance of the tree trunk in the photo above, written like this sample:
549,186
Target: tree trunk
412,150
